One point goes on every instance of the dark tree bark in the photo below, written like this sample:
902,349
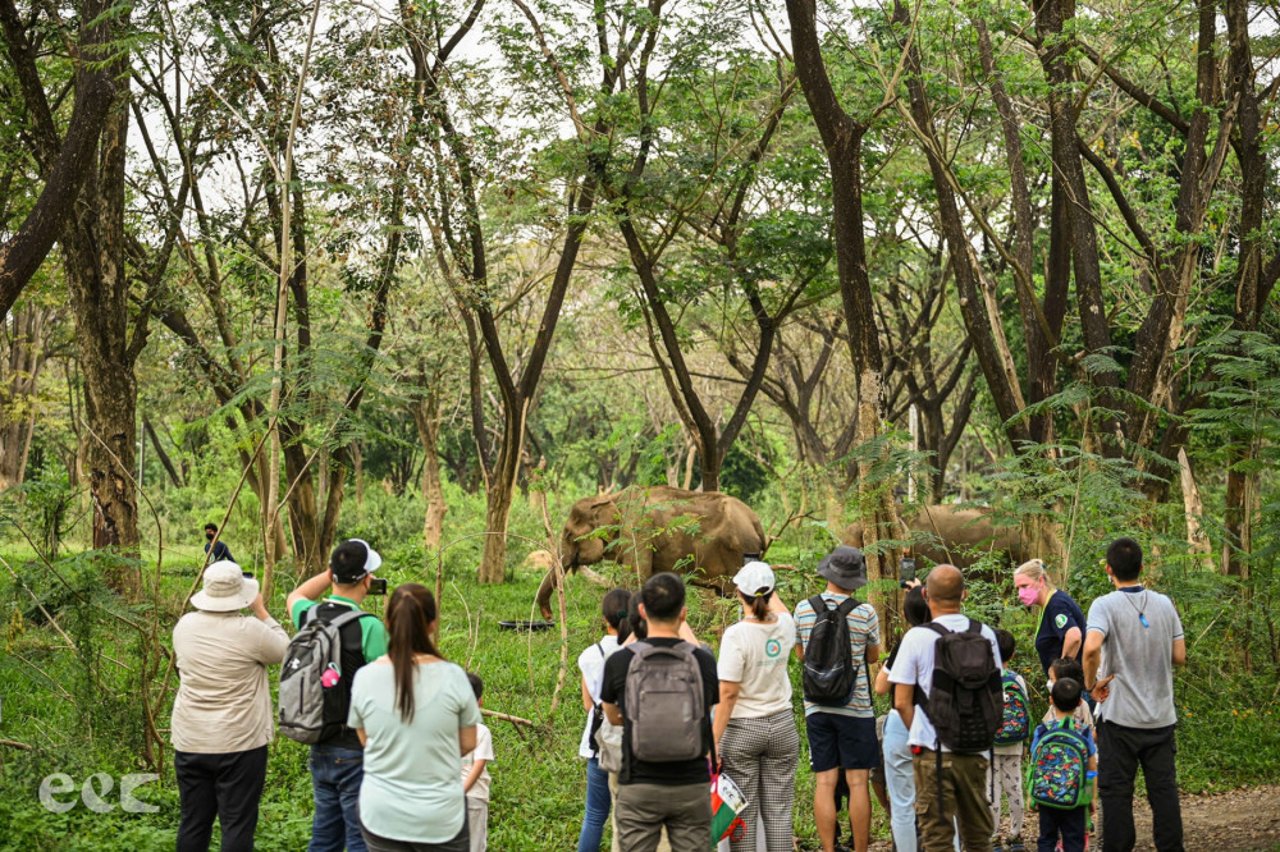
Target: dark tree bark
65,163
842,138
1242,498
165,461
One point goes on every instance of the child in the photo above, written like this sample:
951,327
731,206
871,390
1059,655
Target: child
1006,764
1067,667
475,776
1064,766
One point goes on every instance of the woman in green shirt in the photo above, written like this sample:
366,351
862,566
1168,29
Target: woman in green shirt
416,715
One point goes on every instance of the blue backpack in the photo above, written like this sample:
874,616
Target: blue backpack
1015,722
1058,773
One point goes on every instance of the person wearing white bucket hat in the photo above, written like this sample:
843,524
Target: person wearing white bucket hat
337,763
222,719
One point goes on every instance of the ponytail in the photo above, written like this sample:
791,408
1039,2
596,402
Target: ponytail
614,610
410,612
759,605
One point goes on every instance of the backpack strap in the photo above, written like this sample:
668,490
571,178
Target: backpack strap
918,696
974,627
348,617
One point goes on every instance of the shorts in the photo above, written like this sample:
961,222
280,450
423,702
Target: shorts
835,741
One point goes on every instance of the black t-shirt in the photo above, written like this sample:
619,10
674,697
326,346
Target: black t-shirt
614,690
1061,613
220,552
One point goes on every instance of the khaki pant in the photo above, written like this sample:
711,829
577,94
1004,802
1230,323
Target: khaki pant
963,798
643,810
663,844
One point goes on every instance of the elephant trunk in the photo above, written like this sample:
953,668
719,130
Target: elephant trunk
568,563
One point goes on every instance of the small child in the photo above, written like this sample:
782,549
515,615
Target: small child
1067,667
475,776
1006,764
1062,824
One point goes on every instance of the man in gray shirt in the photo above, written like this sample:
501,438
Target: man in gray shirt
1133,640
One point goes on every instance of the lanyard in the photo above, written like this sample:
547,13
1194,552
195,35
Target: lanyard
1040,623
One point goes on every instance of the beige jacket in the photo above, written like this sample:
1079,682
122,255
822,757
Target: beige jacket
224,700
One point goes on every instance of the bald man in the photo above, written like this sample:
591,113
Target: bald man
955,787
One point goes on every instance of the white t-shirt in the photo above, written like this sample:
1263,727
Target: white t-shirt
755,655
482,751
591,664
914,665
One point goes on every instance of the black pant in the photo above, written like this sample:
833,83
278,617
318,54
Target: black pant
1068,824
227,786
460,843
1121,751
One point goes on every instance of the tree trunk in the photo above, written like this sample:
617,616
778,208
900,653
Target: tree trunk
98,285
22,358
842,138
165,461
426,418
1242,496
502,489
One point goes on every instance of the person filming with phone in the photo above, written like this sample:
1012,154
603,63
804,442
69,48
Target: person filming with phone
337,761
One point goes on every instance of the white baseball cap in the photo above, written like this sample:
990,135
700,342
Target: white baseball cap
755,579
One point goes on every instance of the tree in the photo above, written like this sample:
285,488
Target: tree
842,135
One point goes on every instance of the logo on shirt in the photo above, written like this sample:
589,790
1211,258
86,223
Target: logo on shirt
772,648
1060,620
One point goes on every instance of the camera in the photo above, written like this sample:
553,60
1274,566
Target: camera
906,571
378,586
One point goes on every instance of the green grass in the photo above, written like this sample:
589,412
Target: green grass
1228,736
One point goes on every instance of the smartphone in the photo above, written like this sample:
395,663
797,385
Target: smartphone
378,586
906,570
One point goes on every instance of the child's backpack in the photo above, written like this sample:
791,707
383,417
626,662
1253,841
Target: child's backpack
665,704
1058,773
1015,724
314,695
965,698
829,673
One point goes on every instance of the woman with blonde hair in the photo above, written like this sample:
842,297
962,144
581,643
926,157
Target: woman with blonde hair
1060,632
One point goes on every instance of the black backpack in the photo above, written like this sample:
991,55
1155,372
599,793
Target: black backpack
829,672
966,699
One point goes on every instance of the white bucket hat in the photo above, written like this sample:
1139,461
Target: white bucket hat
226,589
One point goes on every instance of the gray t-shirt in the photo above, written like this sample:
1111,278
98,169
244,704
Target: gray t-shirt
412,787
1140,657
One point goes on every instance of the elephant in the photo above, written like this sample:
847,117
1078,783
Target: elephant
659,528
956,536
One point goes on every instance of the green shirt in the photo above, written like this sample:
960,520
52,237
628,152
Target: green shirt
412,785
373,636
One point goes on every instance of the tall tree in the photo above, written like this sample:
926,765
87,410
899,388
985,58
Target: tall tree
842,136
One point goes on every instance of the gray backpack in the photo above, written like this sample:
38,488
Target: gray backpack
665,705
314,704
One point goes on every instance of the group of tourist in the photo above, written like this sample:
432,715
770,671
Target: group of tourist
398,754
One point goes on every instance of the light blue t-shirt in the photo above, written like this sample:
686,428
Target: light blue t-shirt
412,787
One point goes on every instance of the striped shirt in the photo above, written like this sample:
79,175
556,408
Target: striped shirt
864,630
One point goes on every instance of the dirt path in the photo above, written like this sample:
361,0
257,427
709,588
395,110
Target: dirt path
1246,820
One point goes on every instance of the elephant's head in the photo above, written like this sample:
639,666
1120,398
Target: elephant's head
584,541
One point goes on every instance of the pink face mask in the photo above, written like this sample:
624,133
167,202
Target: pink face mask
1028,595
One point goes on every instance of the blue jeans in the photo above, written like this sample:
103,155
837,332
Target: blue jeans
901,784
598,801
336,774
